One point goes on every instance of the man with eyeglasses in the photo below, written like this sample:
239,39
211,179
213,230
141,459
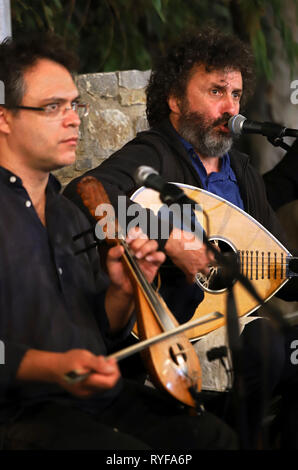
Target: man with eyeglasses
59,312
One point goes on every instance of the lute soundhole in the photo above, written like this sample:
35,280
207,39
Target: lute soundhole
214,282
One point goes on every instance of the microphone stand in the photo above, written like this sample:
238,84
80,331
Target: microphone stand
238,389
278,142
172,194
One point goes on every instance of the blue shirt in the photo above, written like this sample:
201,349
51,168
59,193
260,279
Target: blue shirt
222,183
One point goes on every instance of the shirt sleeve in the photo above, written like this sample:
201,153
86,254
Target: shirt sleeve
112,340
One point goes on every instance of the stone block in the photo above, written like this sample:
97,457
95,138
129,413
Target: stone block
99,84
133,79
112,128
83,163
132,97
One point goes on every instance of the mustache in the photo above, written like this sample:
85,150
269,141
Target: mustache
222,120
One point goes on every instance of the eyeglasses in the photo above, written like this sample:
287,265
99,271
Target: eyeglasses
58,110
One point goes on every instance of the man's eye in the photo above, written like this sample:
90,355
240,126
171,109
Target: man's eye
215,91
52,107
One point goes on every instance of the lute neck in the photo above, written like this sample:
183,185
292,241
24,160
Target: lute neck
255,265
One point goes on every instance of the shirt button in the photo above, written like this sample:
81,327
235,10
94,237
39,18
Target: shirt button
60,271
12,179
28,203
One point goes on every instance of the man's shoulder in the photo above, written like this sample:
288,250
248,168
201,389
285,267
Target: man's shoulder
73,214
161,133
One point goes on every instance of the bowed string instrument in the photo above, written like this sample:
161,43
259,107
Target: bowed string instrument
172,363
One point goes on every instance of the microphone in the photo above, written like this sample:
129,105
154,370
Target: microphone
169,193
240,125
149,177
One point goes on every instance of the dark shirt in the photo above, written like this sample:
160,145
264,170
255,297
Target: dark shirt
223,182
51,299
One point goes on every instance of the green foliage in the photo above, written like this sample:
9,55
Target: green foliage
265,20
129,34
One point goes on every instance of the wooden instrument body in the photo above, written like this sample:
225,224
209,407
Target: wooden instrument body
174,356
255,245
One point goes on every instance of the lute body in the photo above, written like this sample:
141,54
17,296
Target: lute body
262,258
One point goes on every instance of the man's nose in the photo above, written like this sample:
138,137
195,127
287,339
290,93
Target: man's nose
230,105
71,118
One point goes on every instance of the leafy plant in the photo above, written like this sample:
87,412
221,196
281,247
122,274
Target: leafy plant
129,34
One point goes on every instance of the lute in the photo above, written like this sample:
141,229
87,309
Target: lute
261,257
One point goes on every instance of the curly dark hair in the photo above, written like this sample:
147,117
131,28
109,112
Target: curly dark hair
19,54
210,47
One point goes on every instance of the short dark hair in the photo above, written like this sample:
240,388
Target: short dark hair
209,47
21,53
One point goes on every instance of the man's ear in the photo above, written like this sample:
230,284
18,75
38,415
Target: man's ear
173,103
4,121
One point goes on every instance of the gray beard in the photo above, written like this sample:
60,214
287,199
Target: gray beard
207,142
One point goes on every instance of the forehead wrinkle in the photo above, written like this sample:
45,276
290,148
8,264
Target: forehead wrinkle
224,85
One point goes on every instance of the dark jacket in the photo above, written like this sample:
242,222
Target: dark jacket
282,181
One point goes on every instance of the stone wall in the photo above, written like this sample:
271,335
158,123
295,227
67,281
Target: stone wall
117,113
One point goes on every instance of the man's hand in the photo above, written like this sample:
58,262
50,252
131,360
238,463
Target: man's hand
103,373
188,253
51,367
145,250
119,297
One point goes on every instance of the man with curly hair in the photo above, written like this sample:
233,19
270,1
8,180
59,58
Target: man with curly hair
191,95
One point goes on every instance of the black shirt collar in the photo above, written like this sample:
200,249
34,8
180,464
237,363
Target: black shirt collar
9,178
